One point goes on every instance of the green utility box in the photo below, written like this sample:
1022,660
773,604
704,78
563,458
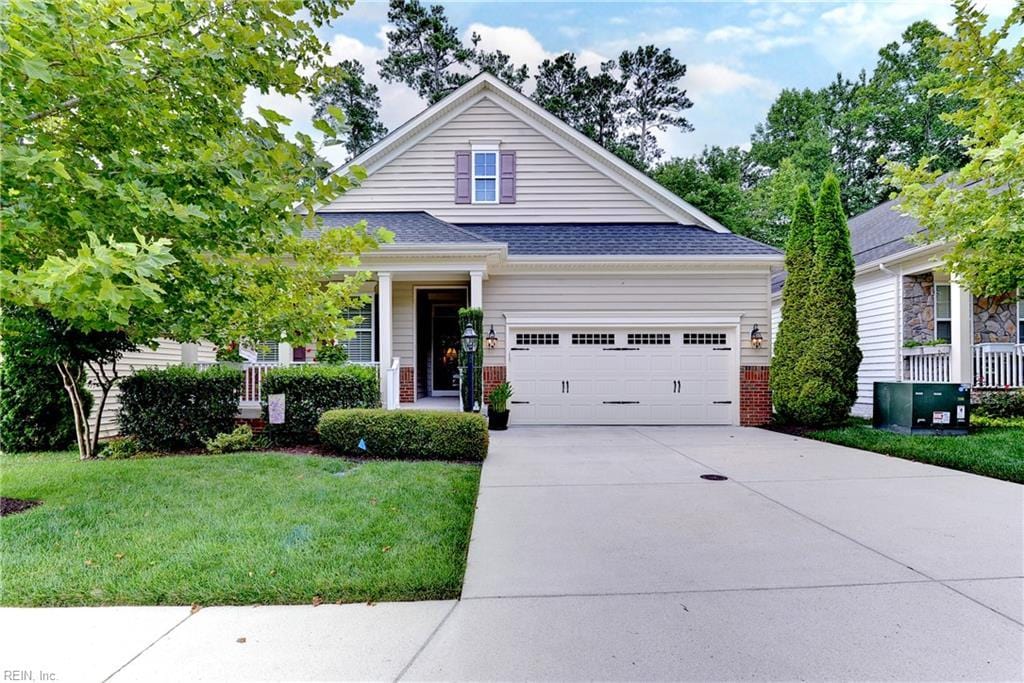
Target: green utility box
922,408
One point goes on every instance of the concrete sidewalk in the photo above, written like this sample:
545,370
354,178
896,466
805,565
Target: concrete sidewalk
600,553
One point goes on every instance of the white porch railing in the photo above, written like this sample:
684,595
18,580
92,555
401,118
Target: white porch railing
995,366
999,365
926,364
391,388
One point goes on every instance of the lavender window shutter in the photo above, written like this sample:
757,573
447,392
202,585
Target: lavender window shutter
463,177
508,178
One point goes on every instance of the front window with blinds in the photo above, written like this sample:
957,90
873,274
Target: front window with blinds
943,322
360,347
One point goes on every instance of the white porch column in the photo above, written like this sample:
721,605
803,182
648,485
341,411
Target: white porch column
384,328
961,305
284,353
476,289
189,354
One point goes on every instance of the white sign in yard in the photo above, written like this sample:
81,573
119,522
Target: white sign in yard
940,417
275,408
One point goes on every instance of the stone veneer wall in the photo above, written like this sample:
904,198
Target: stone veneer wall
995,319
919,307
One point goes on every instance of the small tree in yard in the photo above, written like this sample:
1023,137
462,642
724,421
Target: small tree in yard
795,330
828,369
138,202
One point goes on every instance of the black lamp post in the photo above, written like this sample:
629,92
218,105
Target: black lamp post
469,342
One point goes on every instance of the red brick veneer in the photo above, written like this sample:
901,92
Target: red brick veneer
493,376
406,384
755,396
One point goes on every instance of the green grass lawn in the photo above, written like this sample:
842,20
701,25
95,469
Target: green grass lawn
991,451
255,528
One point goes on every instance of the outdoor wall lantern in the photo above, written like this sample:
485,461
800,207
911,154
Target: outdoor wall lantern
492,339
756,338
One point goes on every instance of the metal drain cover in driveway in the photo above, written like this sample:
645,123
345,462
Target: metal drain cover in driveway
714,477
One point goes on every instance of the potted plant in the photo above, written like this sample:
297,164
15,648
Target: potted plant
497,409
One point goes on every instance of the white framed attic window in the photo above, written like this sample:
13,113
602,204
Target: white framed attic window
943,314
485,175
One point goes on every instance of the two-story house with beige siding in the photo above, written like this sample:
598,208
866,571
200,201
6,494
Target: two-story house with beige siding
608,299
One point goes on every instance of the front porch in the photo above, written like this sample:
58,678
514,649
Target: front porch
947,334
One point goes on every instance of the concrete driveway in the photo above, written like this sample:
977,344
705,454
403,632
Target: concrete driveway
601,553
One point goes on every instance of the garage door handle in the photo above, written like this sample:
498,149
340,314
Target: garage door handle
621,403
723,403
621,348
518,403
722,348
520,348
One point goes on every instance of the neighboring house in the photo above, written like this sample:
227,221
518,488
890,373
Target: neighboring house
907,306
611,300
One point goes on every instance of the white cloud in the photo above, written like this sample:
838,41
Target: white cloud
517,43
846,29
729,33
711,79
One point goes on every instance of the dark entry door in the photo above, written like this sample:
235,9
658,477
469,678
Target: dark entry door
445,342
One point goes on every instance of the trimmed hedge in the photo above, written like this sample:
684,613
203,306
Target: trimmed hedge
406,434
179,407
310,391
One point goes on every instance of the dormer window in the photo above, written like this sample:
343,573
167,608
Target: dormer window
485,176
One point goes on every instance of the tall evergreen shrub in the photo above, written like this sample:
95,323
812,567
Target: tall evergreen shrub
795,327
474,317
828,371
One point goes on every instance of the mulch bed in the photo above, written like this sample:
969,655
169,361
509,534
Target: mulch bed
10,506
792,430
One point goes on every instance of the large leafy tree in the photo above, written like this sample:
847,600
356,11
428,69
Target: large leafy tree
827,368
795,327
652,99
713,182
137,200
426,53
349,91
978,209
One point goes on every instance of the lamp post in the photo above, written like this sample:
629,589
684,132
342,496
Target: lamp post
469,342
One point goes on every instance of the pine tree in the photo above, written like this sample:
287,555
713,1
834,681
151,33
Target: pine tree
795,329
358,98
828,370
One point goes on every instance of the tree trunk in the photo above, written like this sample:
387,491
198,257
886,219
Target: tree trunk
106,383
70,379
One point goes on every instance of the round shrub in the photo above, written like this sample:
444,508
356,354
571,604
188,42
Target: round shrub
119,449
179,407
311,390
405,434
1000,403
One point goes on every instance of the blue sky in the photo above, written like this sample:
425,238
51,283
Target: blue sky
739,54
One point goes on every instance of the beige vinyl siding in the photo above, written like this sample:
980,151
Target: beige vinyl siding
167,353
553,184
684,294
877,314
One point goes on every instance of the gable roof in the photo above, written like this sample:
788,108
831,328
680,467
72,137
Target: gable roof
617,239
485,84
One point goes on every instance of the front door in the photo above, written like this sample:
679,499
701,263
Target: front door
445,342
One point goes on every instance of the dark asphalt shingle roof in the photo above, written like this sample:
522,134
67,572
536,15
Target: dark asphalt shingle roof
410,227
616,239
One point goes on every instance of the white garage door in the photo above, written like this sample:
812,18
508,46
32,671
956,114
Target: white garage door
639,376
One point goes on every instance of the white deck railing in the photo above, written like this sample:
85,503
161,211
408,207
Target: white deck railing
994,365
926,364
999,365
